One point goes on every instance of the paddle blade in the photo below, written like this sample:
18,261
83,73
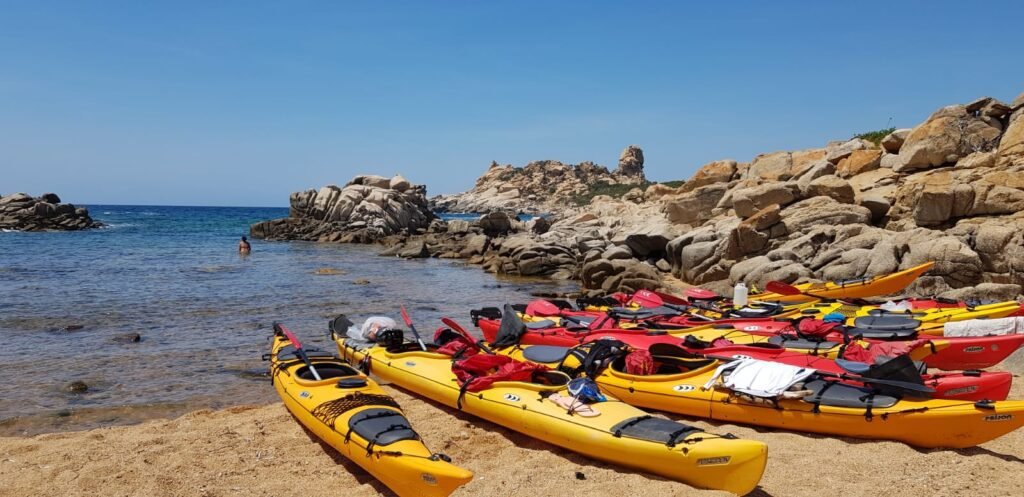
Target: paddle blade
405,316
782,288
289,335
456,327
647,298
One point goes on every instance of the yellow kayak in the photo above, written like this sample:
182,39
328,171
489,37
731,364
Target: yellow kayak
860,288
355,416
618,433
831,408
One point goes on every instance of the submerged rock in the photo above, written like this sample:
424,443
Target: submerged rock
76,387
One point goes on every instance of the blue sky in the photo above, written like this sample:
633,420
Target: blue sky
240,103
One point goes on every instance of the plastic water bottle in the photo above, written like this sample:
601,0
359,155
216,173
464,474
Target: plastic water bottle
739,295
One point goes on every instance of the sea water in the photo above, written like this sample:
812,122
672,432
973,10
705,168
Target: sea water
173,275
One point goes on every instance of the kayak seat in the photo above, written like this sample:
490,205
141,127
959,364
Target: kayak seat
545,353
842,395
326,370
883,334
287,353
653,429
886,322
539,325
800,343
382,426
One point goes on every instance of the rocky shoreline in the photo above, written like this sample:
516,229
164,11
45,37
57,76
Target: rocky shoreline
948,190
23,212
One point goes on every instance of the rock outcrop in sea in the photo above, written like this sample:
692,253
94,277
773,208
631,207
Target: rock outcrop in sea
23,212
365,210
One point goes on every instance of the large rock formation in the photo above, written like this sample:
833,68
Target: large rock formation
22,212
948,190
541,186
367,209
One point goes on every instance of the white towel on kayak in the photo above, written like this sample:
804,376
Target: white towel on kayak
760,378
982,327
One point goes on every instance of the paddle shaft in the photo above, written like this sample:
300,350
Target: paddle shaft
408,322
298,349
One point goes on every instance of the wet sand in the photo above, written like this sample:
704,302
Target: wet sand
262,451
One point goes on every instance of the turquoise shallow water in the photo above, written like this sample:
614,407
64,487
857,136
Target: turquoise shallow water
173,275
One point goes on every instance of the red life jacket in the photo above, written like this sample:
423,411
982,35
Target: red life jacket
480,371
855,352
454,344
816,328
640,362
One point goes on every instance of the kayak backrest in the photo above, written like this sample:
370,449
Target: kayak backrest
545,353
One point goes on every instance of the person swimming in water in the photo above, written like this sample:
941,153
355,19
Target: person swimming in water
244,247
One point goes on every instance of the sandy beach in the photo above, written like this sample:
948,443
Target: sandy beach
259,451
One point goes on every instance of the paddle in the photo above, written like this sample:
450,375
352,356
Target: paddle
544,308
913,387
449,322
278,327
408,322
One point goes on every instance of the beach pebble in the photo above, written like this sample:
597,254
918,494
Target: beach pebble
361,281
77,387
72,327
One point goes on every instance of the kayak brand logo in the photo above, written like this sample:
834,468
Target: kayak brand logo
511,397
713,461
684,388
410,363
428,478
304,394
975,348
999,417
961,390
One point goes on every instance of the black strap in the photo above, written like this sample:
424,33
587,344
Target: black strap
372,443
682,431
868,399
820,394
462,391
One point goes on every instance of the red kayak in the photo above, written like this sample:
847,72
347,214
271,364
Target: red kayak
963,352
968,386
